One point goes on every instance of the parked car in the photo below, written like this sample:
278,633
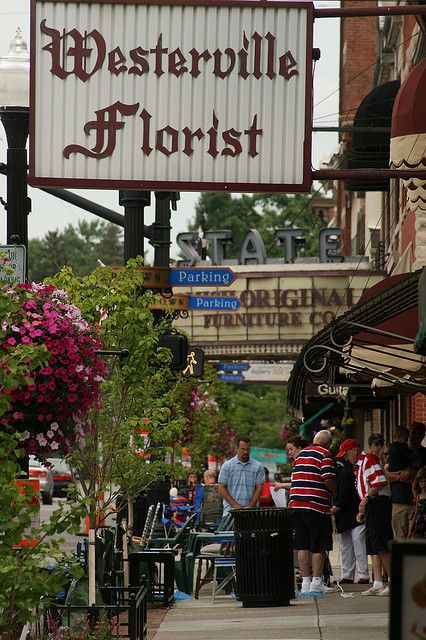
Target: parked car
38,471
62,476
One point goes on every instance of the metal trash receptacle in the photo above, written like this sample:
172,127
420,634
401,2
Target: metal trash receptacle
264,556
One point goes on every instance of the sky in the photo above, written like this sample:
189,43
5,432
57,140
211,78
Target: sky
49,213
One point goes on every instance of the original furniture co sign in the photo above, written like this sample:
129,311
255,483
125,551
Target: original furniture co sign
171,95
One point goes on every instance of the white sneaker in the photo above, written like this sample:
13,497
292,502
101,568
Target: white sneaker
385,591
373,591
305,587
320,587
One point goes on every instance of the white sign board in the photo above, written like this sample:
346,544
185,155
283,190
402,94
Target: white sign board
171,95
13,258
268,372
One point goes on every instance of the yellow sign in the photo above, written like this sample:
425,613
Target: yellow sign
178,303
153,277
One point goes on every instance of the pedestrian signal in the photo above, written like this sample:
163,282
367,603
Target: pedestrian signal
194,362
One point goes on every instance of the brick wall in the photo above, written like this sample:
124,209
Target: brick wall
418,408
357,56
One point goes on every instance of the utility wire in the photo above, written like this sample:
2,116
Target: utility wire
377,60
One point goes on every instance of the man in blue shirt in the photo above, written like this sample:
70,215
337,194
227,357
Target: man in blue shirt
241,479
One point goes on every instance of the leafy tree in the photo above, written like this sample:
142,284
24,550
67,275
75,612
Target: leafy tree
219,411
264,212
209,428
80,248
140,393
260,412
139,388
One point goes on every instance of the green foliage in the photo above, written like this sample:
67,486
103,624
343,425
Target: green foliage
264,212
78,247
141,388
24,583
260,412
257,411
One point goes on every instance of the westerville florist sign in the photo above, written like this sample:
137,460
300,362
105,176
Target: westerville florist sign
172,95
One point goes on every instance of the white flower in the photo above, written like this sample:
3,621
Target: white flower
50,433
41,439
54,426
54,445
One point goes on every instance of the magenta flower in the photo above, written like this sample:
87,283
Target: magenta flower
70,380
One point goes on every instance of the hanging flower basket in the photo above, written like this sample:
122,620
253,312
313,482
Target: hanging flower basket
48,412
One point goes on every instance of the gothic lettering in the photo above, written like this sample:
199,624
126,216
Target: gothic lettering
80,52
217,57
105,126
115,58
166,140
177,63
141,65
89,52
288,66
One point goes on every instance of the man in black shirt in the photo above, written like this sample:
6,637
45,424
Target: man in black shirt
345,509
399,473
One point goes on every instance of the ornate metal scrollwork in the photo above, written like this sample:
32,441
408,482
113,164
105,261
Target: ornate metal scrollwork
340,345
324,372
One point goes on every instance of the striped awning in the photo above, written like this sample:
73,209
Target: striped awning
379,339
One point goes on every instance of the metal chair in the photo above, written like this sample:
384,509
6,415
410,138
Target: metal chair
220,583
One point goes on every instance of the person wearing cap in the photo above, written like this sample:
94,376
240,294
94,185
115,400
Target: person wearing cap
345,510
375,508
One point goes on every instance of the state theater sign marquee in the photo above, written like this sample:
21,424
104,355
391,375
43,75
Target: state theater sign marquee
171,95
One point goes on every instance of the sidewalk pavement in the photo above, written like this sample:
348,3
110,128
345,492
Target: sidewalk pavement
329,617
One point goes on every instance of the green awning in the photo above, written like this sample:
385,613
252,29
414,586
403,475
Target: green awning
318,414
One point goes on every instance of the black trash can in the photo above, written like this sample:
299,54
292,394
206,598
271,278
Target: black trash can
264,556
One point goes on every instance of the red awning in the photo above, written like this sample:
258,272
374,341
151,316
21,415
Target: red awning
408,136
409,108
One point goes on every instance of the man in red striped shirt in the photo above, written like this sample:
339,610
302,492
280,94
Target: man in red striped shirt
313,482
376,508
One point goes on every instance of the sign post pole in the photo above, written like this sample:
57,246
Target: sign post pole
134,203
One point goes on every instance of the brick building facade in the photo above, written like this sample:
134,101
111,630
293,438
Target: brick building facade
378,221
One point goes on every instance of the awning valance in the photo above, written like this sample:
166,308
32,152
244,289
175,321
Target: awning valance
370,148
408,135
374,340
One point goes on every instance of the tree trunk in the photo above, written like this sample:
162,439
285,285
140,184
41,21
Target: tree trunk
126,558
92,564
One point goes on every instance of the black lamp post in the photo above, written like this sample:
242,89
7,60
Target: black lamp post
14,114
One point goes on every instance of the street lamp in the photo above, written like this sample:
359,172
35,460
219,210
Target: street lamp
14,114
